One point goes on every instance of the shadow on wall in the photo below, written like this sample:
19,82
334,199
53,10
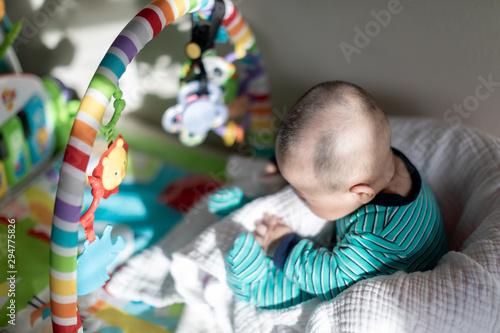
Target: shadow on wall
68,39
52,30
427,58
33,52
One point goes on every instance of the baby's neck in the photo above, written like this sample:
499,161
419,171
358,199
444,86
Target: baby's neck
401,181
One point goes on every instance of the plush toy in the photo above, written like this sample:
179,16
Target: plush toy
105,180
195,114
209,85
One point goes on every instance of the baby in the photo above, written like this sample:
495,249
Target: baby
334,149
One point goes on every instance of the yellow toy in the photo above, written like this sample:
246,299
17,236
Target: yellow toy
105,180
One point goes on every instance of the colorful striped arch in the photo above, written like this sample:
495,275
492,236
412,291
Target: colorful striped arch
69,198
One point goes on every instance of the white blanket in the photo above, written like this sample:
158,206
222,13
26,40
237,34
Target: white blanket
461,294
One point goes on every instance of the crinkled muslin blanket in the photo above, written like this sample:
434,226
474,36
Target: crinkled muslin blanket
461,294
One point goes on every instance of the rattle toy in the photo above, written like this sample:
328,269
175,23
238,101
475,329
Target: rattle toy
106,178
111,169
210,93
105,181
200,105
195,115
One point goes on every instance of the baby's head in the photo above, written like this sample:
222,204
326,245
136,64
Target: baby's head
334,148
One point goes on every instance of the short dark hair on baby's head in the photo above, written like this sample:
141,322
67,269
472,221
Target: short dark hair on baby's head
320,109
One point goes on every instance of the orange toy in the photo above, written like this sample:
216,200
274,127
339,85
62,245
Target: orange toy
105,180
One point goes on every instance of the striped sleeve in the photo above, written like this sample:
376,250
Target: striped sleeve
326,273
254,278
374,241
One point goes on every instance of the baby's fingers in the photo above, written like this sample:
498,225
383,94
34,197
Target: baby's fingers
261,228
270,220
273,220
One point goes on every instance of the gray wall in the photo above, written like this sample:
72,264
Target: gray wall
432,58
428,59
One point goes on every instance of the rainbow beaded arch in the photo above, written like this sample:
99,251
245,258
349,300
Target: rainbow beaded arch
69,198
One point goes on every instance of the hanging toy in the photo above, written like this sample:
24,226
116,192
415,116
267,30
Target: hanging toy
119,105
111,169
218,71
195,115
96,257
201,101
105,180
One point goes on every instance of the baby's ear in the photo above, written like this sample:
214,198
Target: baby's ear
363,192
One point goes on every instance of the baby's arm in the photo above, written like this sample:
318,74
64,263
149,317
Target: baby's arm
325,273
253,277
301,270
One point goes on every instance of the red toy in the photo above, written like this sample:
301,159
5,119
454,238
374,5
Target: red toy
105,180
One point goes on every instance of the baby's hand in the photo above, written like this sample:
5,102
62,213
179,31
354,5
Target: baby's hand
270,231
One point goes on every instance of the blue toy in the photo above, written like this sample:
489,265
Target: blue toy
196,114
91,264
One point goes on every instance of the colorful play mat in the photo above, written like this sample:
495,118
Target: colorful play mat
152,199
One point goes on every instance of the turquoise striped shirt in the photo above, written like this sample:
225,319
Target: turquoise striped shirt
392,233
